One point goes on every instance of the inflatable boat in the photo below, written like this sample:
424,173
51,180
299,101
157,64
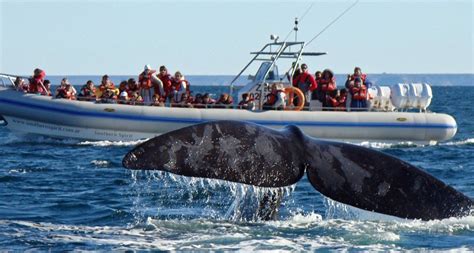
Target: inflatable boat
393,114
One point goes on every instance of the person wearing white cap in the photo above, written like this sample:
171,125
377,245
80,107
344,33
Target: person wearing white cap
146,85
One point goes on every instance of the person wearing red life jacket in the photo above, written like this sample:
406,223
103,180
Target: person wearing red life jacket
179,86
147,89
359,96
338,102
327,84
87,92
167,81
305,82
36,82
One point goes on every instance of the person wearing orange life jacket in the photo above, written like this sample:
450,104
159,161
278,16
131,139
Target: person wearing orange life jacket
36,81
167,82
305,82
105,85
179,86
359,95
357,74
276,100
146,86
327,84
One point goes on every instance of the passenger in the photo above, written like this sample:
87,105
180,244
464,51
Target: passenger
132,86
359,95
36,82
109,96
157,101
123,86
180,86
247,102
208,101
123,98
225,101
70,92
327,84
357,74
197,102
146,86
167,83
305,82
338,100
316,95
20,84
61,89
186,101
135,99
105,84
276,100
47,88
88,91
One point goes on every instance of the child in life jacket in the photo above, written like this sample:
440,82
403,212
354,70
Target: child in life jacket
135,99
359,96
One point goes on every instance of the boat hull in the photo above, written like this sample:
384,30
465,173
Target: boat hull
30,113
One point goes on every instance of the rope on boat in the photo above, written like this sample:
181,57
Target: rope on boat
333,21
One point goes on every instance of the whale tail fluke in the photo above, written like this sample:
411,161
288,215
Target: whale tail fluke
251,154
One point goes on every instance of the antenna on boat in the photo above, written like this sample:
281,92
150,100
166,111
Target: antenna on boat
296,29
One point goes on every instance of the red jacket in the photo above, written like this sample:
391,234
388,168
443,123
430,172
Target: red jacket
305,78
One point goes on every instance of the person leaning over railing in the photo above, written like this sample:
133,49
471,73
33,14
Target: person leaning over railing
247,102
224,101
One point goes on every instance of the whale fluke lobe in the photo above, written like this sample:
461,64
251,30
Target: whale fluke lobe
251,154
227,150
374,181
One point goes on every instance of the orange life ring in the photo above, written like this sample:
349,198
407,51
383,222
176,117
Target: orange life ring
290,94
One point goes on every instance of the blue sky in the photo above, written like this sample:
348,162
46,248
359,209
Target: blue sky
215,37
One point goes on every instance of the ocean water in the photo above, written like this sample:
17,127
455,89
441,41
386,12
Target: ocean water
63,195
